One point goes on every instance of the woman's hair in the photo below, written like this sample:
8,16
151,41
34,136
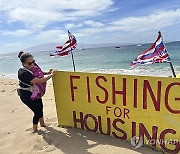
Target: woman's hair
23,56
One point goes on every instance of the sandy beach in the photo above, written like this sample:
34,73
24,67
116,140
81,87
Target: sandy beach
16,136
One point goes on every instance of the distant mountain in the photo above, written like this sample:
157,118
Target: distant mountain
52,46
42,47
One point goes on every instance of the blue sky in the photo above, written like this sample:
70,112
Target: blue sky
27,23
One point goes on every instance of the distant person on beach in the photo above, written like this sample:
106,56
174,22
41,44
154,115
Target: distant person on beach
178,76
30,77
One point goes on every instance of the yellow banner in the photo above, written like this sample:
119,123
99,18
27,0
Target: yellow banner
133,108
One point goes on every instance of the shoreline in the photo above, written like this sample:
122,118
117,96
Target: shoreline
16,136
130,72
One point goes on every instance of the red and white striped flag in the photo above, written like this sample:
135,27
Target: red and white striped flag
157,53
67,47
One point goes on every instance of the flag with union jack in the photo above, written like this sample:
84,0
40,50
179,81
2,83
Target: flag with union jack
68,46
157,53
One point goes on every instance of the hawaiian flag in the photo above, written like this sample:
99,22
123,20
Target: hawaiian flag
157,53
68,46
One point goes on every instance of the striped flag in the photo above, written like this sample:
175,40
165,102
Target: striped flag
67,47
157,53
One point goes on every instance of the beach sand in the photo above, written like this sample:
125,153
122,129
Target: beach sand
16,136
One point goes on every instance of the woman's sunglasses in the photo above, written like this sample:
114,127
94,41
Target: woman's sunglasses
30,63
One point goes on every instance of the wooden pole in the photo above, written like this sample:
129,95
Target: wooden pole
72,54
73,60
172,68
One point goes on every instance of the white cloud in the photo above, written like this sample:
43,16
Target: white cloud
93,23
152,22
17,33
51,36
90,34
90,23
38,13
71,25
135,26
73,4
39,19
34,17
17,44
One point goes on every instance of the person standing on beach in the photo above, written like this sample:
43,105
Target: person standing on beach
26,81
178,76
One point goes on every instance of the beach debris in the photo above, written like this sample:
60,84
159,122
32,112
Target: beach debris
6,132
14,90
10,83
2,91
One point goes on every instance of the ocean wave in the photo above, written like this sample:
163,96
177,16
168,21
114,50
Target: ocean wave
142,71
8,76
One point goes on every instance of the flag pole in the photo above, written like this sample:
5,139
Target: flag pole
72,54
172,68
73,60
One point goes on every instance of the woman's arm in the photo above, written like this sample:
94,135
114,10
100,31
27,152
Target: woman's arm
42,80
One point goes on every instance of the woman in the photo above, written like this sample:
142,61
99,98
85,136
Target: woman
26,81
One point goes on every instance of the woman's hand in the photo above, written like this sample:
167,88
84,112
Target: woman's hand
47,73
50,71
53,72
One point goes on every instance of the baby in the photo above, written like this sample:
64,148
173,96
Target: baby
38,89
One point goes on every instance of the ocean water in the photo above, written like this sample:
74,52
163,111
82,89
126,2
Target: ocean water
102,60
